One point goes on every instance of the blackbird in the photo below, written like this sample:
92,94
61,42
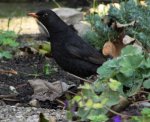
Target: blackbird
68,49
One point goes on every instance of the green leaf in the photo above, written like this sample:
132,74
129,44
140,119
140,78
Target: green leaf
148,97
100,86
146,112
5,54
97,105
135,88
89,103
131,50
108,68
111,96
83,113
85,86
10,42
46,46
77,98
147,63
146,83
114,84
131,59
81,104
126,81
99,118
42,118
146,73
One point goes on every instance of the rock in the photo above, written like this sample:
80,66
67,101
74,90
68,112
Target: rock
73,17
69,15
2,103
144,104
28,25
22,25
82,27
34,103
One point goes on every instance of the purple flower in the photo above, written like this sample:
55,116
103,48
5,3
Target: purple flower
117,119
66,104
74,108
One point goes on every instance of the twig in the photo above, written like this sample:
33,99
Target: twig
61,102
8,23
8,72
80,78
20,27
144,92
71,92
140,102
12,100
58,5
21,85
116,113
34,75
7,96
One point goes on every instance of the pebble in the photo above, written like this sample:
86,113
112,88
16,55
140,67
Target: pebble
28,114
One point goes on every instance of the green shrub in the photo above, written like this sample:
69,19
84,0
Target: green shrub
129,11
7,43
131,70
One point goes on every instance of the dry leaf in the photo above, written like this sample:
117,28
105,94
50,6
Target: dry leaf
119,25
112,49
44,90
127,40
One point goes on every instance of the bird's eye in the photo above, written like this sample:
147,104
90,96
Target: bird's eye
45,15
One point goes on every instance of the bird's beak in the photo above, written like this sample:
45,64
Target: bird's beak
33,15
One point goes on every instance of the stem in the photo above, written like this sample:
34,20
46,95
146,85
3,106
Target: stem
80,78
140,102
58,5
116,113
61,102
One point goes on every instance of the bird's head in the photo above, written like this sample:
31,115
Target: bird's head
48,19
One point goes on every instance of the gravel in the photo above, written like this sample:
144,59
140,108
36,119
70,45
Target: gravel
29,114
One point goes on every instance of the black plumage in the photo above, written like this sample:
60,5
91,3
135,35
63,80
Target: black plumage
68,49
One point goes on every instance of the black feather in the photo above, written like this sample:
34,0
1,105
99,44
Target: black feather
68,49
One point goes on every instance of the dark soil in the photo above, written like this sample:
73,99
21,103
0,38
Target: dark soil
28,67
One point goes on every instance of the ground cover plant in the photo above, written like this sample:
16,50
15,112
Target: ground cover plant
8,44
121,79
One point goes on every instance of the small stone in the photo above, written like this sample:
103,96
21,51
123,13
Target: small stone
34,103
2,103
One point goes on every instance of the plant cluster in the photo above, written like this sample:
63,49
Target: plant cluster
127,12
100,32
133,10
120,78
7,44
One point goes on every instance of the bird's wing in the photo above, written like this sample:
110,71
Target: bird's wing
85,51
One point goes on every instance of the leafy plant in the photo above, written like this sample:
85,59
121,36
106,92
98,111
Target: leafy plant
145,116
48,69
122,77
7,43
131,71
127,12
130,11
100,32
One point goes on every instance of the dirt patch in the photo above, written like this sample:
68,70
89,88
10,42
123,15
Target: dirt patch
31,66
